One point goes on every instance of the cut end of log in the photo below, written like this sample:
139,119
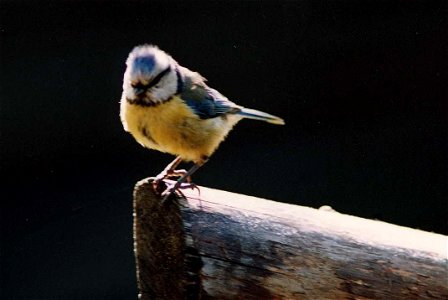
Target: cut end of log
221,245
159,245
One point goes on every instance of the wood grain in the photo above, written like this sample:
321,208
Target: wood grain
220,245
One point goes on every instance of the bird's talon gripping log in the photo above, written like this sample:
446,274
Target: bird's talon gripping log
172,187
158,185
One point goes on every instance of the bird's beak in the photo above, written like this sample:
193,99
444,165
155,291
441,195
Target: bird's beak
139,91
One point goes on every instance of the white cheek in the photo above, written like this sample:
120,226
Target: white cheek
128,92
161,93
166,88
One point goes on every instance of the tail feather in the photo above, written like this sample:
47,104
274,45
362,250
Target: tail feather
259,115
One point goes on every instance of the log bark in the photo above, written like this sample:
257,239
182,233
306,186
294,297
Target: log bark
220,245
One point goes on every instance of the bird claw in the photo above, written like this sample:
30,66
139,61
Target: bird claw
165,187
172,187
158,185
172,173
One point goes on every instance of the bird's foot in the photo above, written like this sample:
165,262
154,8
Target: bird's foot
158,183
172,187
168,174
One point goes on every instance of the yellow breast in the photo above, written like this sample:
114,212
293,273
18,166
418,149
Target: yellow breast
172,127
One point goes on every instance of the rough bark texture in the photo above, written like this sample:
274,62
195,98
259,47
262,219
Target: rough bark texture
220,245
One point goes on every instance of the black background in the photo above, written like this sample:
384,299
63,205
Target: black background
361,86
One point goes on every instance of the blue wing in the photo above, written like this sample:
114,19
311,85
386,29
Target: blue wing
208,103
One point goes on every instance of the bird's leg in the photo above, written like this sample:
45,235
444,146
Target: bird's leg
168,171
180,182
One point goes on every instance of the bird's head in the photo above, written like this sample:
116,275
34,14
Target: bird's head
150,76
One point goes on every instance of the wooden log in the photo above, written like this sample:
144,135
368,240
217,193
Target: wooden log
221,245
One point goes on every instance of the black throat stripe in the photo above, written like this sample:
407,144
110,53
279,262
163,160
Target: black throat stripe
145,102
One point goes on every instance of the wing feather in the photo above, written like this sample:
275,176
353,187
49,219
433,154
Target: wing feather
208,103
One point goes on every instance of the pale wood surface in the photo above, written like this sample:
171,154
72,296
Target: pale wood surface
220,245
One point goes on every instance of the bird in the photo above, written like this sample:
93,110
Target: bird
169,108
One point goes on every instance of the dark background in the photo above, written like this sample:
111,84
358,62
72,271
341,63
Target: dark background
361,86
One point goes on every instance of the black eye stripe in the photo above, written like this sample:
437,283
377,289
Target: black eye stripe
155,81
158,77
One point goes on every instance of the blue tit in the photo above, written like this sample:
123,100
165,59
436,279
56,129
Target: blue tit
171,109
